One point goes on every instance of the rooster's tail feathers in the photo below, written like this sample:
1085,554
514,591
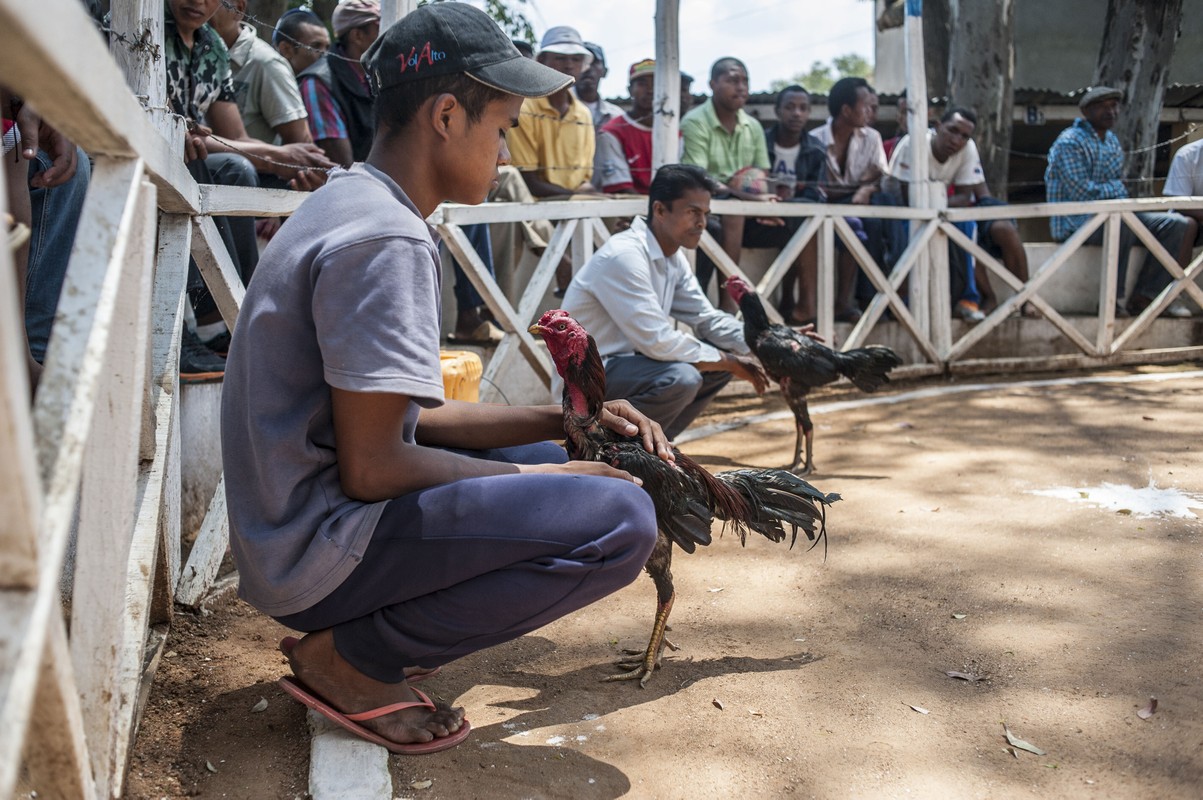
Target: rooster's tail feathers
776,499
868,367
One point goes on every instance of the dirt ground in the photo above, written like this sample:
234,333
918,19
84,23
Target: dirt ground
803,677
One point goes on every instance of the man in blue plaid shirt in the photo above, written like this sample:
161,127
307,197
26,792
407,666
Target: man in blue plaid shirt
1086,162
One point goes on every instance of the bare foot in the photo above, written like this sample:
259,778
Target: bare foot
319,666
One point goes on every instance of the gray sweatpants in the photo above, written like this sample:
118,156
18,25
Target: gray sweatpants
670,392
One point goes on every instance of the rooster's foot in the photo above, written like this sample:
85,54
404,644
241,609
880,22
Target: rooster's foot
666,643
637,671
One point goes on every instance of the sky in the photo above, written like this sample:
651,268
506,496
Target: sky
775,38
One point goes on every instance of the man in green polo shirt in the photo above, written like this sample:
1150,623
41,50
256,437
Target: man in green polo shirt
722,138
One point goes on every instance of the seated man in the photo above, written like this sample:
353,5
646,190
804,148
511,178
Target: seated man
265,86
856,162
624,146
1086,162
335,89
200,89
397,529
1186,180
799,165
722,138
301,37
632,293
955,161
554,144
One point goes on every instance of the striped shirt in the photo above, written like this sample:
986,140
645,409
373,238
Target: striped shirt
325,120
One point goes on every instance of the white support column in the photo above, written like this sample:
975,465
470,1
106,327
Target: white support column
666,108
940,298
916,93
1109,292
825,300
393,10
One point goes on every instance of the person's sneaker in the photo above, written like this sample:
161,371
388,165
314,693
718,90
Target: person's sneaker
219,344
197,362
1177,310
1121,312
968,311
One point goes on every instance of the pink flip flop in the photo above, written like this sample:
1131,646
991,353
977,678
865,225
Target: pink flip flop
349,722
289,642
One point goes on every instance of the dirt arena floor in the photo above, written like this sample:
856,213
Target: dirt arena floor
804,677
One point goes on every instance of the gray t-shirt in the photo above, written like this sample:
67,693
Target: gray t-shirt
346,295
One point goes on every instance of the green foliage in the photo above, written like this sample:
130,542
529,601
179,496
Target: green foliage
821,77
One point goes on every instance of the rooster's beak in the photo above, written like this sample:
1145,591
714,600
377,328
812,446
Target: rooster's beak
536,329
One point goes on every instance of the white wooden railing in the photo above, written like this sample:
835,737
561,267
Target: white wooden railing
99,451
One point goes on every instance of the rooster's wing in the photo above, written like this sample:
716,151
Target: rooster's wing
785,353
681,509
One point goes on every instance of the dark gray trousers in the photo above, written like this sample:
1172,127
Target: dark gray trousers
467,565
670,392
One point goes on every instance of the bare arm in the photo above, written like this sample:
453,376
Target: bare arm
295,132
743,367
375,463
542,188
226,124
337,150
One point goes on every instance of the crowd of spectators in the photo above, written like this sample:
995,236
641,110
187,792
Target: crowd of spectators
282,113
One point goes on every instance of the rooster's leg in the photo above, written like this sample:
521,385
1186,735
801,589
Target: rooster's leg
809,466
648,660
804,434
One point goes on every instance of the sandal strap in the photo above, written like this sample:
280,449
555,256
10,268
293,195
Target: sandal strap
389,709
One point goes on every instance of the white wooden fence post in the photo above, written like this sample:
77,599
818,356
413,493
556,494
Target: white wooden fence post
666,123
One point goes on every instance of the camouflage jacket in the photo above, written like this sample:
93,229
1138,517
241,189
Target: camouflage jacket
198,77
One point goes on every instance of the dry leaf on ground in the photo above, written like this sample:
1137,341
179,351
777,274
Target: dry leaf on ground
1015,741
1148,710
965,676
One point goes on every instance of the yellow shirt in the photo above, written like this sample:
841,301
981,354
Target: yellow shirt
557,149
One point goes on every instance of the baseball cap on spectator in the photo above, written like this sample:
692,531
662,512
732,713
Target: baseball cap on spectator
352,13
1096,94
566,41
640,68
443,39
595,50
524,47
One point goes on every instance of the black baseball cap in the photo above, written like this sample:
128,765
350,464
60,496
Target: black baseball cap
442,39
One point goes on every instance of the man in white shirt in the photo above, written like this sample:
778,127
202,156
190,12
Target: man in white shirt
1186,180
632,293
955,161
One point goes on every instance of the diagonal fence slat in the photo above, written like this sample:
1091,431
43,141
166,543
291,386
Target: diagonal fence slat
218,270
108,615
1023,293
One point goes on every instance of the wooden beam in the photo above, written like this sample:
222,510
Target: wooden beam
513,323
107,623
901,312
248,201
91,106
218,270
207,551
63,417
1022,295
551,210
167,314
19,495
56,753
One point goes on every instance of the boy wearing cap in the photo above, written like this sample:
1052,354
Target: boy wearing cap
400,530
624,146
1086,162
335,88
